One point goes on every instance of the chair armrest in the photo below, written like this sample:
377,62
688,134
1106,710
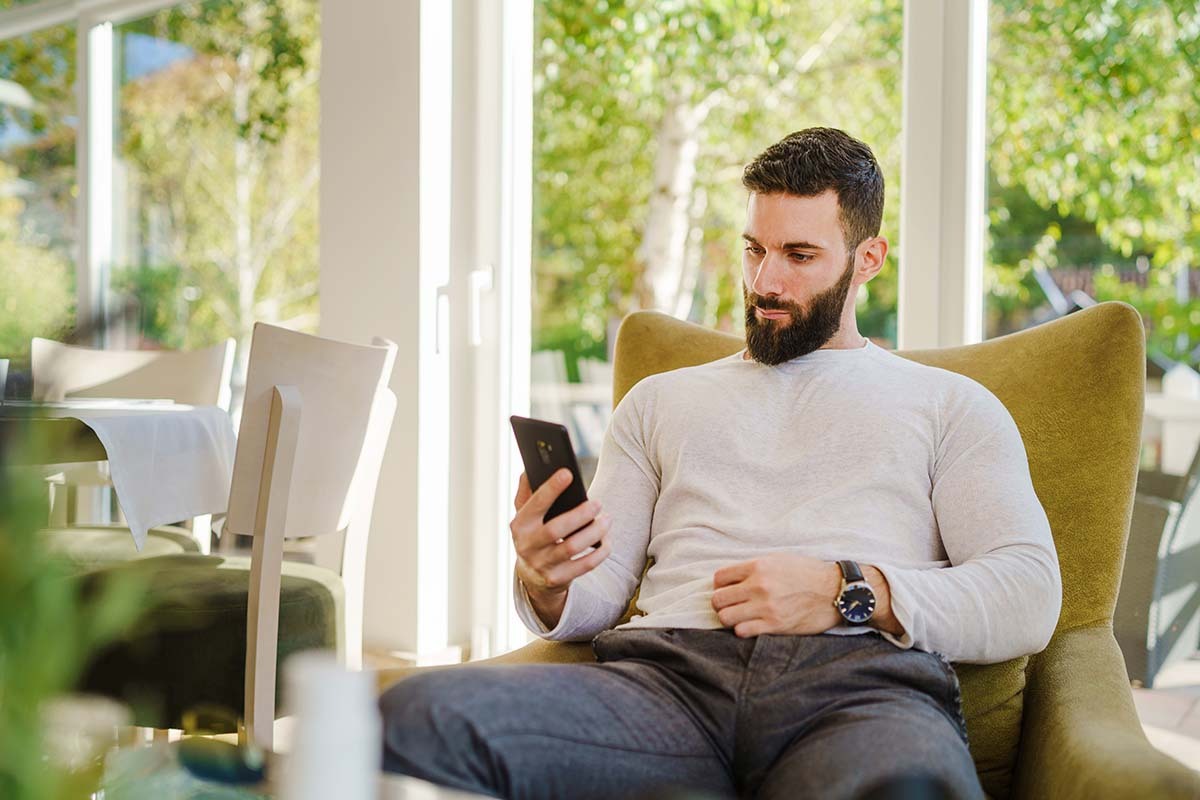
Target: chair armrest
1081,737
539,651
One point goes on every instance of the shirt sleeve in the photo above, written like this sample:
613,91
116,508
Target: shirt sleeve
627,484
1001,596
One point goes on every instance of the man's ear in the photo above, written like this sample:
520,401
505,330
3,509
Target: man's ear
870,257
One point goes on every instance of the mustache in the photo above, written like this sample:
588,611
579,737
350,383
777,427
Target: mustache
767,304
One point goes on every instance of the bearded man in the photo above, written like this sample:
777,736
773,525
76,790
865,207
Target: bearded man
828,526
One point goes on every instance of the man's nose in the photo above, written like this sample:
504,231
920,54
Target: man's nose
767,277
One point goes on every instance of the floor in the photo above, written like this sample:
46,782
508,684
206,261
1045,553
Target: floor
1170,712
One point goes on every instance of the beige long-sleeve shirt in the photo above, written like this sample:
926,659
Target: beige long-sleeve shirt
839,454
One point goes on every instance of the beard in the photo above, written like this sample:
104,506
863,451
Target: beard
774,341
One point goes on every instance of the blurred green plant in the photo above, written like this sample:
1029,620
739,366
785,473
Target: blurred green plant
48,627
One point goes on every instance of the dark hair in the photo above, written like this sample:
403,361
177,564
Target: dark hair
809,162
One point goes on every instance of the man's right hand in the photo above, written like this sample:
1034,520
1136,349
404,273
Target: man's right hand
547,560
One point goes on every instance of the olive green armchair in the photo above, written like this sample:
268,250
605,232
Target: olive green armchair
1060,723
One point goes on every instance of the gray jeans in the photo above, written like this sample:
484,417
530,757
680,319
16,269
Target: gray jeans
690,713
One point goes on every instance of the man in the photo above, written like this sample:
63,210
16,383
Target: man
829,525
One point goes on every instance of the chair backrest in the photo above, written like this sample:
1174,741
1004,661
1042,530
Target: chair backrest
196,377
1076,390
315,422
340,391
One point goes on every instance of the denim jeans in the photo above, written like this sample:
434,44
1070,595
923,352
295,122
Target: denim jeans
689,713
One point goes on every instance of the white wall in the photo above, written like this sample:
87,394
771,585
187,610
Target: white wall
370,265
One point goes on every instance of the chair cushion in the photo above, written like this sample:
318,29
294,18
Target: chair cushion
188,652
92,546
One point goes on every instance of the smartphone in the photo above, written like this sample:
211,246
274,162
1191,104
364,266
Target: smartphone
546,448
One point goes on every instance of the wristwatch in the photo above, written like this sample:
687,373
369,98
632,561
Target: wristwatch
856,601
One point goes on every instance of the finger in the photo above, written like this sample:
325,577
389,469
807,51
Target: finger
564,525
732,574
755,627
541,500
580,566
731,616
578,542
523,492
730,595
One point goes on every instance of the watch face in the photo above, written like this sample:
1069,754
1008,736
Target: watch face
857,604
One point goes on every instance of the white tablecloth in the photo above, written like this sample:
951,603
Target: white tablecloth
168,462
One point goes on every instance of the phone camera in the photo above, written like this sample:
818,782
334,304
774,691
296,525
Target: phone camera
544,450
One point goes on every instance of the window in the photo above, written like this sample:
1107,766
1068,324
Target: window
215,169
1092,190
201,192
38,184
644,116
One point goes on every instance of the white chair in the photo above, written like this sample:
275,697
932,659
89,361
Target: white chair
61,371
196,377
315,423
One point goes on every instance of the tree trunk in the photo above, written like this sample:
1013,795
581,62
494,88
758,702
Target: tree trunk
664,249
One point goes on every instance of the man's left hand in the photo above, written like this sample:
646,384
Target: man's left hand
781,593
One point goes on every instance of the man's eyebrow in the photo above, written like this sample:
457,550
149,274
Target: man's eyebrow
788,245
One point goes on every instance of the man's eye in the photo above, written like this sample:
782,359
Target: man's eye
801,257
752,249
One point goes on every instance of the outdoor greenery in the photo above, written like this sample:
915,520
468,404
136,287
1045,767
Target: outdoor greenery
217,169
1094,144
644,115
645,112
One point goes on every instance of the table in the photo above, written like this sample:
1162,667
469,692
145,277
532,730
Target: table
153,772
168,461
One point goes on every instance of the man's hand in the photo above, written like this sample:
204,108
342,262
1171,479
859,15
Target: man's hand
547,561
781,593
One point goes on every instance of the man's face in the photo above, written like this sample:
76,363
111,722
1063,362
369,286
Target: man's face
796,275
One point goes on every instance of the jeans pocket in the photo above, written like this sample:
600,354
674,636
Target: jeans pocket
953,694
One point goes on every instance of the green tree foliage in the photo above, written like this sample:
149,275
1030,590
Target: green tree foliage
37,189
36,297
217,162
223,148
608,74
1094,117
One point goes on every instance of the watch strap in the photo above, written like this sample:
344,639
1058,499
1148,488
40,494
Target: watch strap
850,571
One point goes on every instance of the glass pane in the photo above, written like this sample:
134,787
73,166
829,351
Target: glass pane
37,192
1093,195
216,169
634,95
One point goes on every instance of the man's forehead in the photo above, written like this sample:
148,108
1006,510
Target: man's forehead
780,220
